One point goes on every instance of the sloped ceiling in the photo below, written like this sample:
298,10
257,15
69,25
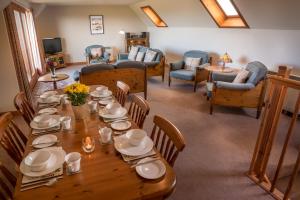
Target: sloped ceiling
259,14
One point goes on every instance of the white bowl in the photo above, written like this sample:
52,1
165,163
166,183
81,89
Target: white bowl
38,160
113,108
102,89
44,121
136,136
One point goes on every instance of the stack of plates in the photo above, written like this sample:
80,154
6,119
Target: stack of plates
113,111
49,97
45,121
101,94
42,162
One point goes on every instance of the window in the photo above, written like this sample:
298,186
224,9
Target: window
153,16
225,13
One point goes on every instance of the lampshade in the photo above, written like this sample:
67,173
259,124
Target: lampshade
226,58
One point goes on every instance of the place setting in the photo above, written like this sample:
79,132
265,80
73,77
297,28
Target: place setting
49,99
101,93
113,112
45,123
136,148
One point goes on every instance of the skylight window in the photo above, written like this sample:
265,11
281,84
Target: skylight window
225,13
153,16
227,7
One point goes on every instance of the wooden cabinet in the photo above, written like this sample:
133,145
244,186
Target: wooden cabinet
59,57
133,39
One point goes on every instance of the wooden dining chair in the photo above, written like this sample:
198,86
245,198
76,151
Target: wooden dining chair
24,107
138,110
12,138
6,192
167,139
122,92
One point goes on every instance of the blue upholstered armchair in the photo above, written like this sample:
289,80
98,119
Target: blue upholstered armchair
90,59
249,94
199,74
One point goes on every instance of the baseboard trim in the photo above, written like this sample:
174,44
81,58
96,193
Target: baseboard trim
289,113
76,63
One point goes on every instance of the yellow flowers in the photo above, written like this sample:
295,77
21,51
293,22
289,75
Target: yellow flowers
77,88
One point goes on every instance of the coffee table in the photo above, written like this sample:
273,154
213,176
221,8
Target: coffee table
48,79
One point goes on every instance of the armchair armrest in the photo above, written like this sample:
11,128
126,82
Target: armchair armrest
123,56
152,64
234,86
201,67
223,77
176,66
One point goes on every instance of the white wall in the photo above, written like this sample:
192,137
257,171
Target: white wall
71,23
8,79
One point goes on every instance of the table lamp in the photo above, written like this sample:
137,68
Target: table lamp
225,59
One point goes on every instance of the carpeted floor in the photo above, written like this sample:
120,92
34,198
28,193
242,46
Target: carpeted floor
218,147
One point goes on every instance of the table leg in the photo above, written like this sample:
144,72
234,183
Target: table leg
54,85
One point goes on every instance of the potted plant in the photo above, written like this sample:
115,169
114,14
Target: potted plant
77,94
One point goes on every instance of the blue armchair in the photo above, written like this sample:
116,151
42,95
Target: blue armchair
104,58
249,94
178,71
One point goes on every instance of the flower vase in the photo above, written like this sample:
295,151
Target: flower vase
79,112
53,74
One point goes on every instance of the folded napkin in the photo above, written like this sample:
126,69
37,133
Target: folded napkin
44,131
27,180
127,158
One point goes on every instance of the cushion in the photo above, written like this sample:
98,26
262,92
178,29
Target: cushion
133,52
241,76
191,63
96,52
150,56
140,56
183,74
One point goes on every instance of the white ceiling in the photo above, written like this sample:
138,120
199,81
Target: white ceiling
84,2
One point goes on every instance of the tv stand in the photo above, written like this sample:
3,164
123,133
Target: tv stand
59,56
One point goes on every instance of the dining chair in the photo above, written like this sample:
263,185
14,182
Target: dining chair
24,107
167,139
122,92
12,138
138,110
5,191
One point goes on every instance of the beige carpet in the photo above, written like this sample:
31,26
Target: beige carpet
219,146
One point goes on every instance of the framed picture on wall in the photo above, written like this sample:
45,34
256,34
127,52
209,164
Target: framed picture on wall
96,24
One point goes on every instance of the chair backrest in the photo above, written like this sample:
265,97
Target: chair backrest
12,138
88,49
167,139
24,107
138,110
198,54
96,68
5,189
258,72
122,92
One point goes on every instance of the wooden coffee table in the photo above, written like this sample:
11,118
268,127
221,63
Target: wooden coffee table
220,69
59,77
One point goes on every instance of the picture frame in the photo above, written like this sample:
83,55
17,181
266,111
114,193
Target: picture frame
96,24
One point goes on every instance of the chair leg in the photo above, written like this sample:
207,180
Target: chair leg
258,112
169,80
195,86
211,109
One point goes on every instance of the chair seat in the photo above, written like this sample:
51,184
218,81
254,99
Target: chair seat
97,61
183,74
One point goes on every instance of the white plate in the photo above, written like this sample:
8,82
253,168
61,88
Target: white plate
97,95
106,101
123,146
49,111
56,161
34,125
152,170
50,93
49,139
121,125
122,113
51,99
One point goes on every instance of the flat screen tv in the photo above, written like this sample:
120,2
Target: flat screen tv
52,45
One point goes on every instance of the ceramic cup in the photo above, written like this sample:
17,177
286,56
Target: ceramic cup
66,123
64,100
93,106
73,162
105,135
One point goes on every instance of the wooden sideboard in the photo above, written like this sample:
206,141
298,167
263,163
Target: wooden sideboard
135,39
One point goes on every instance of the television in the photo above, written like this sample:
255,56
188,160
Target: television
52,45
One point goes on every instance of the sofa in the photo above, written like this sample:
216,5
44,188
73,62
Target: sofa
156,67
178,69
131,73
103,58
250,94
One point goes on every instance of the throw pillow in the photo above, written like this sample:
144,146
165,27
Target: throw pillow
140,56
96,52
191,63
133,52
241,76
150,56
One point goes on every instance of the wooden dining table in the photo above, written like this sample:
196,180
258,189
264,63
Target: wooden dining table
104,174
